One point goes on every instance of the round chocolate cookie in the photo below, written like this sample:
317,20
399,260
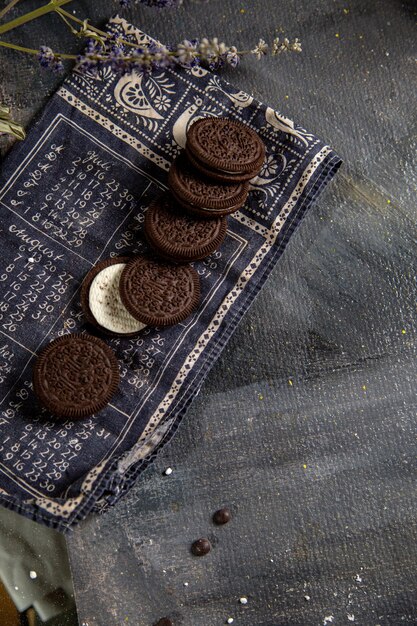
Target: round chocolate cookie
202,195
75,376
178,236
101,302
225,146
203,212
222,177
157,293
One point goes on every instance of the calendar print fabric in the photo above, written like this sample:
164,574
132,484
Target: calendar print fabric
75,192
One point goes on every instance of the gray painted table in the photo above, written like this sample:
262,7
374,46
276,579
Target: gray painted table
306,425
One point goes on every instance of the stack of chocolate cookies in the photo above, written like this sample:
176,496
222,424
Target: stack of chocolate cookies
207,182
121,296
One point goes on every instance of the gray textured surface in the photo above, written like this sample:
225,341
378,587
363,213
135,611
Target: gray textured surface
306,425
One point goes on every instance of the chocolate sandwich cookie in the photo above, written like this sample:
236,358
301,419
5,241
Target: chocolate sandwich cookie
221,177
157,293
202,195
225,149
101,302
178,236
76,376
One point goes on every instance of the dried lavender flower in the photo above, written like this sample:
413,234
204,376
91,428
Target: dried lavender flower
111,51
159,4
285,46
232,57
260,49
49,60
213,52
187,52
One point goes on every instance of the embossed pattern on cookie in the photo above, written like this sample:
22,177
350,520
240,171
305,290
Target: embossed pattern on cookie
76,376
157,293
190,188
225,145
178,236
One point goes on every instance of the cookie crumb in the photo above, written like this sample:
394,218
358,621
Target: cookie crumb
33,575
243,600
168,471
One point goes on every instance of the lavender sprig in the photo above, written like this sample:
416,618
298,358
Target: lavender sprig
159,4
49,60
208,52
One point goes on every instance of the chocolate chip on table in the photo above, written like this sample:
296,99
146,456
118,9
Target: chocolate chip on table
201,547
165,621
222,516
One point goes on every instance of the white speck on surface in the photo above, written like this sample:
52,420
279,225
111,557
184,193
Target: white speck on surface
307,598
168,471
33,574
243,600
328,619
351,617
31,260
164,570
230,620
17,588
272,560
185,584
358,578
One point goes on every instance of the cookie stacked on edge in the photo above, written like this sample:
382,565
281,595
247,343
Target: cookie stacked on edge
121,296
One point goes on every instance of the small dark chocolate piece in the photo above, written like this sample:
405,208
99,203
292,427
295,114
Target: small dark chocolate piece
201,547
222,516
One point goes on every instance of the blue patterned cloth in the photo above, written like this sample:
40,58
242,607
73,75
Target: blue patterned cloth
75,192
